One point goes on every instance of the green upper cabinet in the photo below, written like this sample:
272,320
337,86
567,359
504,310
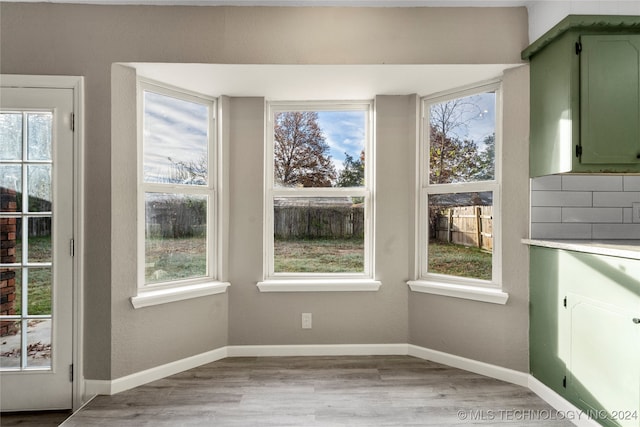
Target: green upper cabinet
610,99
585,96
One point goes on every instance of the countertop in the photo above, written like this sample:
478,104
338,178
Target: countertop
619,248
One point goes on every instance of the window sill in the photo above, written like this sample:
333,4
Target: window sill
147,298
319,285
475,293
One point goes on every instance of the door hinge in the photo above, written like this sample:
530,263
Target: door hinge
564,301
578,48
564,382
71,373
72,247
578,151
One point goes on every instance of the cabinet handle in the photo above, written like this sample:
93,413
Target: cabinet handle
636,321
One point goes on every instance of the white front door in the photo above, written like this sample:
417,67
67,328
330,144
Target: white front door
36,262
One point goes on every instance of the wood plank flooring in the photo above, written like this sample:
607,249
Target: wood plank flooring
321,391
33,419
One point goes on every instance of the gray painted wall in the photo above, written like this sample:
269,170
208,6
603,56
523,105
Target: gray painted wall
87,39
496,334
338,318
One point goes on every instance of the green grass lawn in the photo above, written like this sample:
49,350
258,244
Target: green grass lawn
175,259
459,260
39,279
183,258
319,256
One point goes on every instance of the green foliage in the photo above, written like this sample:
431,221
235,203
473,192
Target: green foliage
486,165
300,151
352,174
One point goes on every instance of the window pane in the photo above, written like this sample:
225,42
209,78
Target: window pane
10,136
39,243
175,140
39,291
319,148
39,343
10,188
39,179
462,139
10,344
461,234
11,281
39,136
175,237
11,234
318,235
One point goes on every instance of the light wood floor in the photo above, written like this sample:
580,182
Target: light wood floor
321,391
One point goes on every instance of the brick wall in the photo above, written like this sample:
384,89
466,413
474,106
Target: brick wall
8,237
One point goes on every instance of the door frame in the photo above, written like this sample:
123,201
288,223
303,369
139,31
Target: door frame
75,83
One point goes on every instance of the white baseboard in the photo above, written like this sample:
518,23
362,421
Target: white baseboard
317,350
573,414
109,387
482,368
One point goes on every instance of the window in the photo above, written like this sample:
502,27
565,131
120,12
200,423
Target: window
177,201
459,195
318,197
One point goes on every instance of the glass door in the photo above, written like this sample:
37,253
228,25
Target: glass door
36,265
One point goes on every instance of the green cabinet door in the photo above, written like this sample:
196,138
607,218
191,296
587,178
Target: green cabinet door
604,366
610,99
584,342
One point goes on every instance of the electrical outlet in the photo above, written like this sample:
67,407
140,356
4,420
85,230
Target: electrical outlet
636,212
306,320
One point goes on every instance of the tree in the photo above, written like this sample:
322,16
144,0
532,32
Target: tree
301,153
352,174
486,160
452,158
189,172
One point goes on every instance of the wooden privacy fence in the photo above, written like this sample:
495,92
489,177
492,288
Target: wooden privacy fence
466,225
309,222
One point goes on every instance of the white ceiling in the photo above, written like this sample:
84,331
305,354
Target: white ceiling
318,82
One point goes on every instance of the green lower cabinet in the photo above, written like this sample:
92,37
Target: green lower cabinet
584,331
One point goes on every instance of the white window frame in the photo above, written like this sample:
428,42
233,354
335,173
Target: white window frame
149,294
312,282
447,285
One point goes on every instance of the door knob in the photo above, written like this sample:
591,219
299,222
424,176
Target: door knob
636,321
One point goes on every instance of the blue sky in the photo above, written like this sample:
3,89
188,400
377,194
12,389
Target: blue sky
481,121
173,128
344,131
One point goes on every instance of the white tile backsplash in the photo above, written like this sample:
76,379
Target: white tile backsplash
560,231
593,215
591,183
548,183
553,214
620,199
616,231
631,183
561,198
584,207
